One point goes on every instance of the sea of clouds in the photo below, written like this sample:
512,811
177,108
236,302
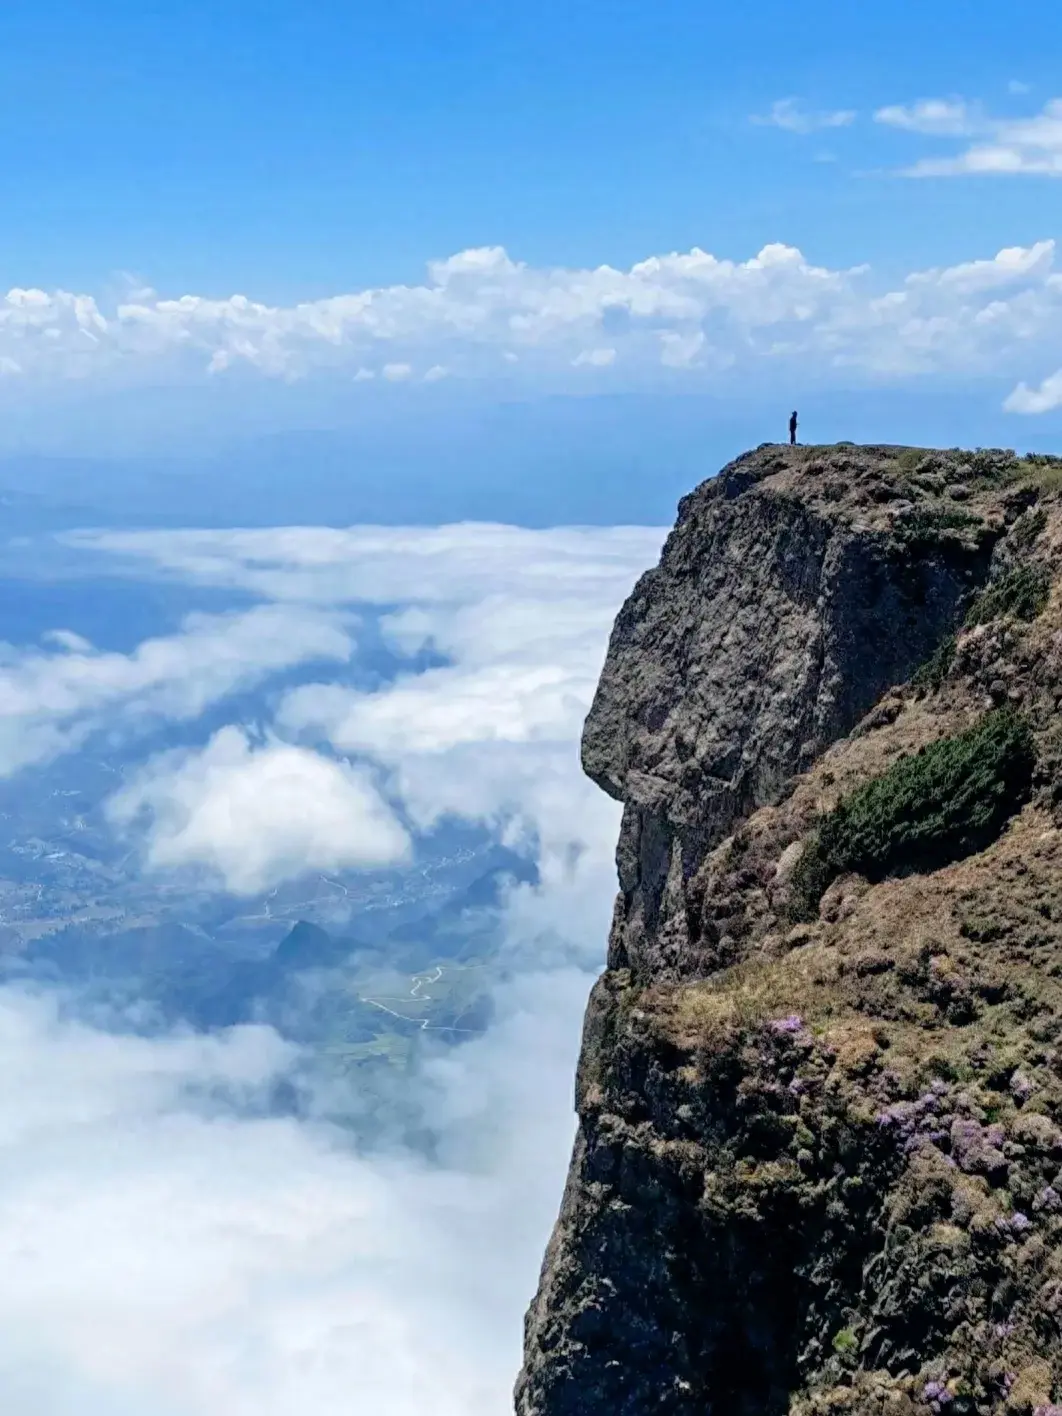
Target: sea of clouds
169,1245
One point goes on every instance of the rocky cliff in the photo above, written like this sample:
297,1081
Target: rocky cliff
819,1159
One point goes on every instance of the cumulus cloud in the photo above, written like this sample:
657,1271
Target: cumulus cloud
483,314
787,113
1003,146
257,815
51,702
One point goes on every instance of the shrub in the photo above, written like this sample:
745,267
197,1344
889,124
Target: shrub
992,466
927,526
1022,592
930,807
935,670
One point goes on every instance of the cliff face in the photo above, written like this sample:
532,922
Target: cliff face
819,1161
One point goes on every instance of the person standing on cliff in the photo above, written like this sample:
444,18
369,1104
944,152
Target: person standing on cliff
792,427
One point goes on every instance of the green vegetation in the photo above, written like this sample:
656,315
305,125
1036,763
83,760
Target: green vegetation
911,459
930,807
928,525
936,668
1022,593
845,1341
1026,530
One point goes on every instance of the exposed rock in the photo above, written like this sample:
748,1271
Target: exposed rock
819,1161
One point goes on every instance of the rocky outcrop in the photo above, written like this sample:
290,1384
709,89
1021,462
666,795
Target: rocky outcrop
819,1158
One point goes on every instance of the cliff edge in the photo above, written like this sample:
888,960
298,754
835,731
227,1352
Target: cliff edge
819,1160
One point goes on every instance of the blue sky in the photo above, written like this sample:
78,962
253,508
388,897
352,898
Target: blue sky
293,150
236,220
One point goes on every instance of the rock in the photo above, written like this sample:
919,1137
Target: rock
782,1198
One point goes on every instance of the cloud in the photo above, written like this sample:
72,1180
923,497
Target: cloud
947,117
466,563
1043,399
520,618
1005,146
483,315
786,113
257,815
595,358
167,1244
169,1247
52,702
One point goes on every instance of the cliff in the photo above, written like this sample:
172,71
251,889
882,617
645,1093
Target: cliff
819,1160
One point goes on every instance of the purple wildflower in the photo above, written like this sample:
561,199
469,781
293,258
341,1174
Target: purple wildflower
936,1392
793,1024
1020,1222
1020,1087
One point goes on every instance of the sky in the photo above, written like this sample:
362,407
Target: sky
345,320
229,222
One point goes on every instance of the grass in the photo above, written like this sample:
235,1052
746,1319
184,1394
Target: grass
929,808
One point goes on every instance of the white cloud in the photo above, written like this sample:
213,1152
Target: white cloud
438,565
166,1248
67,639
595,358
786,113
483,315
1043,399
167,1251
493,735
257,815
1005,146
522,618
50,703
679,351
940,117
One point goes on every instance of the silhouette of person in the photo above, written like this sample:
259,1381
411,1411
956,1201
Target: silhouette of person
792,427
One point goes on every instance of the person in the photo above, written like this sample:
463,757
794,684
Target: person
792,427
